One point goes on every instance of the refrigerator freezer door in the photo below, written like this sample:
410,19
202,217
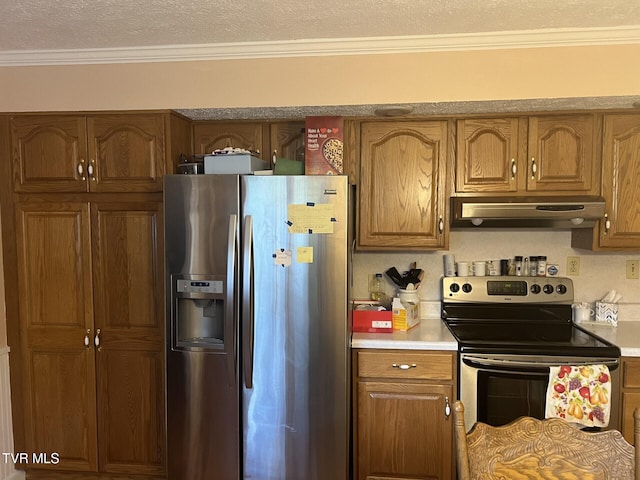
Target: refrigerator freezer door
295,405
203,400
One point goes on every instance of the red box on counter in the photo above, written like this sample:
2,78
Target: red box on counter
372,321
324,146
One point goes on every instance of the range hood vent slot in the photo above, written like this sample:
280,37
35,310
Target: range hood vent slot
526,212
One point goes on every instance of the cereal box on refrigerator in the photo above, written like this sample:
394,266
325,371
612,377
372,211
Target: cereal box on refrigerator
324,146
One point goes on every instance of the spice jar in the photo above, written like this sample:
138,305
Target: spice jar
542,266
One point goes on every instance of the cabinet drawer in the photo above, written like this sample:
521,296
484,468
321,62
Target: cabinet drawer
631,373
424,366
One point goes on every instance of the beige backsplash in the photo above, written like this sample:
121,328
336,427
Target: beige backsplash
599,272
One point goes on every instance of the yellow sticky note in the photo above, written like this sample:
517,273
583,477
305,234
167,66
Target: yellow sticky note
311,218
304,255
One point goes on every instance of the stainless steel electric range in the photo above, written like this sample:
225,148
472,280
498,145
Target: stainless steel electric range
510,330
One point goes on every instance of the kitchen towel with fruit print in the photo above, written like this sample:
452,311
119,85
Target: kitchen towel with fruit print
580,394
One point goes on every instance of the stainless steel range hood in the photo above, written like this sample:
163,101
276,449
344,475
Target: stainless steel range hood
526,212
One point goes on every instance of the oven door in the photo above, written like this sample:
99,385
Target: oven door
497,389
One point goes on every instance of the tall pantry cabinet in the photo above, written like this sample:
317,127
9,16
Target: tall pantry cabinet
88,335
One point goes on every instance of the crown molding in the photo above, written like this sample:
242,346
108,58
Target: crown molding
328,47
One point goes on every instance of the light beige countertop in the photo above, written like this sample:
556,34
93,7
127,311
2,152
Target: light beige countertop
430,334
626,335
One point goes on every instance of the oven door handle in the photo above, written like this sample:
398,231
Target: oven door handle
474,360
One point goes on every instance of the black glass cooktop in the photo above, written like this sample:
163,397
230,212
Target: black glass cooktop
528,329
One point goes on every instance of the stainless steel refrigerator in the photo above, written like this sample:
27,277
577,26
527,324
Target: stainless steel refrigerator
257,338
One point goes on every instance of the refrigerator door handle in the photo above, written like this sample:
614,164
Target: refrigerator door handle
247,302
230,324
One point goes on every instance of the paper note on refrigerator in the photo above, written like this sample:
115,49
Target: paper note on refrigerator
304,255
311,218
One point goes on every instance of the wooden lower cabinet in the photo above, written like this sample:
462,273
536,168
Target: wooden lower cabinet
630,398
403,428
90,283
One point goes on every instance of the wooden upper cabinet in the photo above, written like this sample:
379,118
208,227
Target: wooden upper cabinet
486,155
562,154
126,153
287,140
547,154
102,153
621,182
403,186
49,153
209,136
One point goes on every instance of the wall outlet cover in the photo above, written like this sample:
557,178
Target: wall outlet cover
632,269
573,266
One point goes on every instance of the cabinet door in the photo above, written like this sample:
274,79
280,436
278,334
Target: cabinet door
487,155
56,312
126,153
403,431
287,140
48,153
216,135
561,155
128,279
403,185
621,181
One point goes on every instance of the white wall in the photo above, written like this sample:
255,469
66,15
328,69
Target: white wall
445,76
599,272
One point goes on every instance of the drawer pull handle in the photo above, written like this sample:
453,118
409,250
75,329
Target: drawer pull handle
403,366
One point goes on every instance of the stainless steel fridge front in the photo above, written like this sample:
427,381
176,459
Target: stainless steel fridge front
257,332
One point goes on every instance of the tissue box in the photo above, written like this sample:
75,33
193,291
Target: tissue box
405,315
371,321
607,312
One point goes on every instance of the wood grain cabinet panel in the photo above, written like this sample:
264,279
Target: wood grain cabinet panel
129,314
402,423
47,153
209,136
630,395
126,153
287,140
54,275
403,188
620,227
527,155
91,283
101,153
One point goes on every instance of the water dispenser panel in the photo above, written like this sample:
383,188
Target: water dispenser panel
199,286
198,313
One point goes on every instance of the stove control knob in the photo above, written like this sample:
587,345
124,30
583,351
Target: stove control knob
454,287
561,289
548,289
535,288
466,287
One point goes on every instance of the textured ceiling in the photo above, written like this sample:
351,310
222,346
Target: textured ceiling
93,24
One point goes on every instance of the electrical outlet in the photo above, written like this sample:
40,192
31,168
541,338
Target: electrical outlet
632,269
573,266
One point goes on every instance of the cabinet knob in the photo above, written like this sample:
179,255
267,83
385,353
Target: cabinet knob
96,340
447,406
403,366
86,338
607,223
441,224
80,169
514,168
534,168
91,170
